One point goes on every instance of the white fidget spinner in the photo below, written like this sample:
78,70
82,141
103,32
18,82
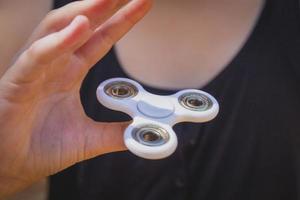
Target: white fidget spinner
151,135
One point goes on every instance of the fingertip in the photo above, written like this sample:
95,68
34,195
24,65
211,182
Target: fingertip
79,29
81,20
79,24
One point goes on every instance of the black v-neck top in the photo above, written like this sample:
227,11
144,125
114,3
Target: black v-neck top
251,151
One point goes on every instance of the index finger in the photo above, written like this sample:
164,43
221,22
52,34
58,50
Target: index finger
112,30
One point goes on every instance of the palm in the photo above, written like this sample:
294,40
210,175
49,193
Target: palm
58,125
63,133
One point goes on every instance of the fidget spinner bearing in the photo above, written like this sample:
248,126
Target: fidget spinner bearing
151,135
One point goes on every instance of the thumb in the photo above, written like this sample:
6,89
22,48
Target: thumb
103,137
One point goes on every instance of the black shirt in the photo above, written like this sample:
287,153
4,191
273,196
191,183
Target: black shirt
250,151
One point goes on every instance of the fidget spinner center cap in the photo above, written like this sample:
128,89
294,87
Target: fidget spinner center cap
156,107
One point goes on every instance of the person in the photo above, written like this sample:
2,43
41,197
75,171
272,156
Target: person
245,53
43,126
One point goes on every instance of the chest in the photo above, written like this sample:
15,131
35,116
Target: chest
187,45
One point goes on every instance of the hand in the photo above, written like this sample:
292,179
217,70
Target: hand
43,126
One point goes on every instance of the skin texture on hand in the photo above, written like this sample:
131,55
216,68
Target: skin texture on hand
43,126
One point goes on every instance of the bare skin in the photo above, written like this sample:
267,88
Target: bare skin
43,126
185,44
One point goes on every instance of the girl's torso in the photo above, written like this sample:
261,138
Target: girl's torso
250,151
186,44
178,44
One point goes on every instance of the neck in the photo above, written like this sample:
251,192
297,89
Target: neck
194,39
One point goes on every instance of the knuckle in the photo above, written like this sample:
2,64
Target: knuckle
107,40
34,53
51,15
33,50
129,20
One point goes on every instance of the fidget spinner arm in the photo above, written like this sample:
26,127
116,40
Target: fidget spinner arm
151,135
